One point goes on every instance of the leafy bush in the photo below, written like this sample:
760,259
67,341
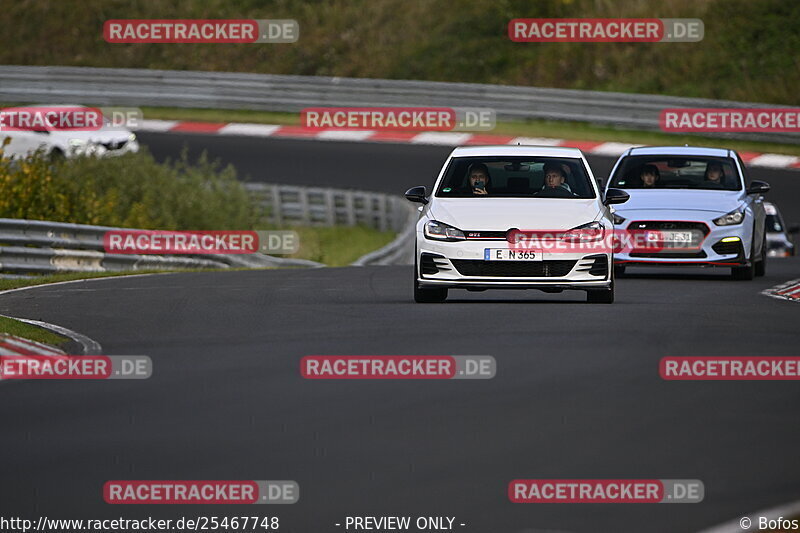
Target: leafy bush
131,190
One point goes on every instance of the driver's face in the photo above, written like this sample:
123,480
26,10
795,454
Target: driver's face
649,179
476,176
553,179
715,174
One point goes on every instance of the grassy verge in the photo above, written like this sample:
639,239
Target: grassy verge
573,131
6,284
340,245
27,331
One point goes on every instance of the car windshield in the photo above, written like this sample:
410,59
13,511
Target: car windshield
515,177
676,172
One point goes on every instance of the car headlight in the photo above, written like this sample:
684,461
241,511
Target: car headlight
78,143
730,219
131,137
617,219
591,231
442,232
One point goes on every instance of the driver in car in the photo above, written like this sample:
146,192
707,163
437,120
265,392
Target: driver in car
555,182
714,176
649,176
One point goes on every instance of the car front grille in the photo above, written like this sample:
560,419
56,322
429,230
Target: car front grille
671,255
668,225
595,265
513,269
433,263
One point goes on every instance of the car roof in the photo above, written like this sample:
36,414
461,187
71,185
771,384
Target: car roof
680,150
515,150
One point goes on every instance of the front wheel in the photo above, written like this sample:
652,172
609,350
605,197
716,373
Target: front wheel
427,296
746,273
761,266
604,296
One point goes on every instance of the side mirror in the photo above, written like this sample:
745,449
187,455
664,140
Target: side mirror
616,196
794,228
416,194
758,187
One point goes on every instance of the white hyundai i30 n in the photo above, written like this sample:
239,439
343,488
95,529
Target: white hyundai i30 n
514,217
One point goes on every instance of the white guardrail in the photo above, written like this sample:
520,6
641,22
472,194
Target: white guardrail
42,247
269,92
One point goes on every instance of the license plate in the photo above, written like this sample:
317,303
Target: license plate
504,254
670,237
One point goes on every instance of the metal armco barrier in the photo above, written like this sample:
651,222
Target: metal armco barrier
43,247
317,206
269,92
327,207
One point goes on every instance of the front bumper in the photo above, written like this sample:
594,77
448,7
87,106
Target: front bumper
724,246
462,264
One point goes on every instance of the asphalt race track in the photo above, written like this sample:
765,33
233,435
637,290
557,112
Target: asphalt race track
577,392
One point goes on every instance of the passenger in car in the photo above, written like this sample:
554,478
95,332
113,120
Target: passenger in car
649,176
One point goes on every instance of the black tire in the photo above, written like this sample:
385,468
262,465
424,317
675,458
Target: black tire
605,296
619,270
746,273
761,266
427,296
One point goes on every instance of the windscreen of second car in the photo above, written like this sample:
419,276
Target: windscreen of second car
676,172
515,177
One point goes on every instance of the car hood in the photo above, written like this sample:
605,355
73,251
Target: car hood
501,214
717,202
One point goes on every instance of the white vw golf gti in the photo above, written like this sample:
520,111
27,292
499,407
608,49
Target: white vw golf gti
514,217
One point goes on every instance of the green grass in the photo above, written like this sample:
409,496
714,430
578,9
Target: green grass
340,245
28,331
6,284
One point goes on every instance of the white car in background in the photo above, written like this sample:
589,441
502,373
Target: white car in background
106,141
697,205
780,241
486,197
